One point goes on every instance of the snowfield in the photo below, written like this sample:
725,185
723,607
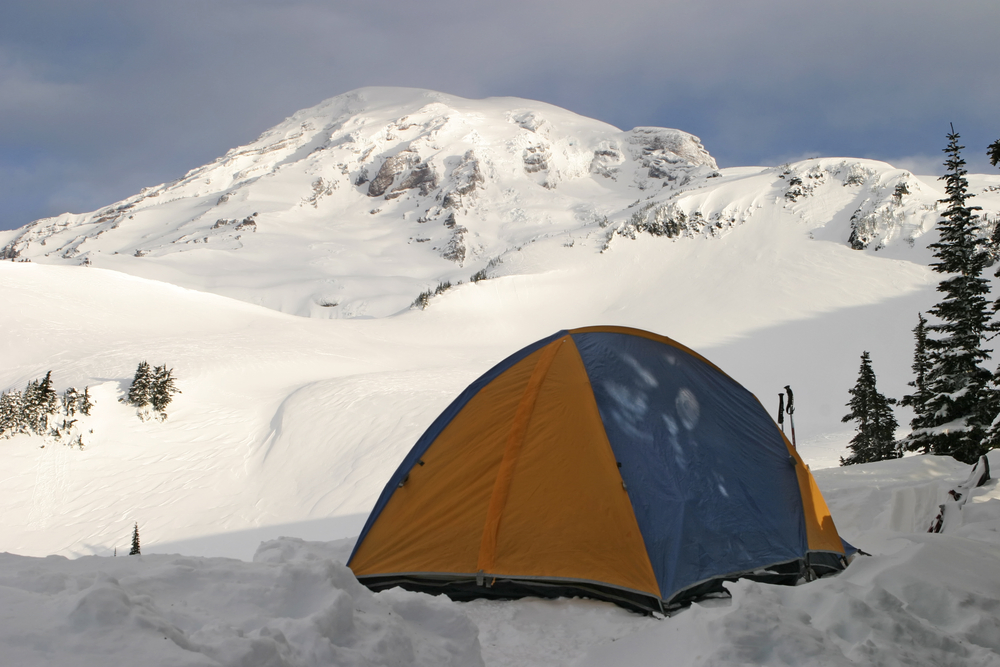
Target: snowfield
307,374
920,599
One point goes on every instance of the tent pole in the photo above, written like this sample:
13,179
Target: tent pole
791,413
781,411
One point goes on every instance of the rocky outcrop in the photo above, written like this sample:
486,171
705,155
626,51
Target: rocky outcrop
464,180
407,171
536,158
658,146
454,250
608,158
421,176
393,166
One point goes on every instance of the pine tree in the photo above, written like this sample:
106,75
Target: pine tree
163,389
83,402
47,396
11,414
876,436
141,388
31,414
961,400
38,402
135,541
994,152
918,400
69,399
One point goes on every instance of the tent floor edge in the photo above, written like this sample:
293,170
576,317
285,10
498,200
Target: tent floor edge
787,573
824,563
465,589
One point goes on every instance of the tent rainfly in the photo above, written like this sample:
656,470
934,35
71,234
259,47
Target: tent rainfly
604,462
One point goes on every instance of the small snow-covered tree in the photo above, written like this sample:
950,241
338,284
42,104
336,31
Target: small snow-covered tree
135,541
83,402
38,402
69,399
11,414
29,405
31,411
876,436
140,390
919,399
423,300
47,395
163,388
150,389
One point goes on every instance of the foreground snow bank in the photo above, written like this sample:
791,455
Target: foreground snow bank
919,599
932,604
295,605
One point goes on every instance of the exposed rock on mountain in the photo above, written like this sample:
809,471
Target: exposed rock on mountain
348,190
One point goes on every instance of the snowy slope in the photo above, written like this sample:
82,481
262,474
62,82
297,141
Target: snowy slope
284,419
290,425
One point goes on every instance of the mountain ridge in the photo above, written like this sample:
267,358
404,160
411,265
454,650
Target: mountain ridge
374,199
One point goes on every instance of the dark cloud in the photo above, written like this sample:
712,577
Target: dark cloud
99,99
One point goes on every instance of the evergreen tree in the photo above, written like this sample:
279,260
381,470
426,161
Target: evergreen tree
994,152
163,389
47,396
69,399
140,390
135,541
11,413
876,436
961,400
31,414
83,402
918,400
38,402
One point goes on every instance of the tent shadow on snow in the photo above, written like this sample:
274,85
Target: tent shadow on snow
606,462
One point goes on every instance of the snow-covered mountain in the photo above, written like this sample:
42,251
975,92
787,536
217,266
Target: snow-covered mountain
290,425
375,196
355,207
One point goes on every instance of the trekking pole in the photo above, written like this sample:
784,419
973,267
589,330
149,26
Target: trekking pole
791,413
781,411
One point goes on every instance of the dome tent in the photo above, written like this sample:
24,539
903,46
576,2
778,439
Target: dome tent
605,462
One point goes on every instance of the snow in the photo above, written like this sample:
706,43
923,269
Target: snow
294,411
295,605
919,599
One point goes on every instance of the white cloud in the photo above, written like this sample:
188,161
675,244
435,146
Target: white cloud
920,165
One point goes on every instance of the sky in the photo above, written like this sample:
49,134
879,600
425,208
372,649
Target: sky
99,99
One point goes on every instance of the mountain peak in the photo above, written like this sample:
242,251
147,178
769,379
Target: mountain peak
364,203
422,185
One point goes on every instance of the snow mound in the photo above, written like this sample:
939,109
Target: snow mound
295,606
